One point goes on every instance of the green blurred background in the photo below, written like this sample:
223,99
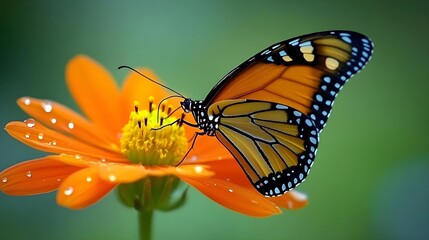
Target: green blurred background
370,180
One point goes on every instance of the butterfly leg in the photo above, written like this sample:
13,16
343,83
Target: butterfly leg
192,145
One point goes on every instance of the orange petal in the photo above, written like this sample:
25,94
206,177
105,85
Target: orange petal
64,120
206,149
291,200
229,170
95,91
82,189
37,136
35,176
233,196
122,173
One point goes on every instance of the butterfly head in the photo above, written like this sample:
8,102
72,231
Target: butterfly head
186,105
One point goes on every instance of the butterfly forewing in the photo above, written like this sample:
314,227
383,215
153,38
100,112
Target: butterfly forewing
273,143
305,73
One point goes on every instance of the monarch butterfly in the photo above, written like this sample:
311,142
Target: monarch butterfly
269,111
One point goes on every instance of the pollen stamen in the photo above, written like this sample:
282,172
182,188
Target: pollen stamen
150,104
181,119
140,143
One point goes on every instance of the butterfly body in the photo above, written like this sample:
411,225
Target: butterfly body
269,111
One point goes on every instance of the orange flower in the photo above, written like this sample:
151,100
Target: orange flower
115,145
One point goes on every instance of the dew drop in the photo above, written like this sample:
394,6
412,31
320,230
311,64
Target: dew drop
27,101
58,179
102,160
89,179
77,156
30,122
53,120
112,178
68,191
54,142
198,169
40,136
47,106
4,180
230,190
27,135
71,125
29,174
228,179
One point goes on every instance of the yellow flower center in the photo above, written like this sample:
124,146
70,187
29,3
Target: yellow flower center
152,137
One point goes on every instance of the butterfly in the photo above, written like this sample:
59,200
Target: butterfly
269,111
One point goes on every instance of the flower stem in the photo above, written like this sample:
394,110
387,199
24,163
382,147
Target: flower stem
145,222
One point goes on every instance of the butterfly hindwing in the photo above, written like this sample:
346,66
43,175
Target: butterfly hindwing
274,144
305,73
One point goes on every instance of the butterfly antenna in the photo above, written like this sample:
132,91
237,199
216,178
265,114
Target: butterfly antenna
150,79
166,98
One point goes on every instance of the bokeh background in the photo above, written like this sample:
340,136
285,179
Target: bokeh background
370,180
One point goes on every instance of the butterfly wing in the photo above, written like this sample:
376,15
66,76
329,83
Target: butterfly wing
274,144
305,73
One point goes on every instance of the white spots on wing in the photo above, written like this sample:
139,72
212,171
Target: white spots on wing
309,57
294,42
297,113
332,63
280,106
347,40
287,58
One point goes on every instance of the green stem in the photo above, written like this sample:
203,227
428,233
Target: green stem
145,222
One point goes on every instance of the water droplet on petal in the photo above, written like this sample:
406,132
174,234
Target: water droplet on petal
47,106
54,142
228,179
193,158
68,191
230,190
29,174
112,178
198,169
89,179
103,160
27,101
30,122
27,135
71,125
4,180
53,120
58,179
77,156
40,136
